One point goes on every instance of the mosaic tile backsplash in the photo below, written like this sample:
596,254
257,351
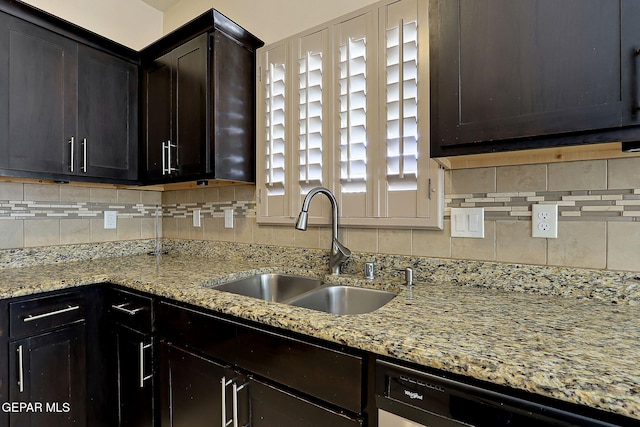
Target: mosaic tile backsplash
599,217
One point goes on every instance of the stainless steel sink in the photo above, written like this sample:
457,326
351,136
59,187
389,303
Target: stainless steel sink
271,287
343,300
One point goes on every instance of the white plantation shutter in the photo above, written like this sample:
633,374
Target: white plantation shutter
273,120
310,121
402,104
353,115
346,106
311,127
275,129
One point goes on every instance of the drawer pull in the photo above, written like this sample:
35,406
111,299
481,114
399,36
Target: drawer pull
31,318
20,370
122,308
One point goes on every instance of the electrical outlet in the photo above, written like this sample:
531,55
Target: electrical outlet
110,220
544,221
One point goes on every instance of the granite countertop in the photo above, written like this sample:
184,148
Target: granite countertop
576,350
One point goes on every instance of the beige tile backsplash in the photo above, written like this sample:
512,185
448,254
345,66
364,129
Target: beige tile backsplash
599,224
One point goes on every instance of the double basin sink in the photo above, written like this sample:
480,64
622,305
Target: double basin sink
309,292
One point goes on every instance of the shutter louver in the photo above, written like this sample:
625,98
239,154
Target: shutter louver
310,146
275,130
353,118
402,106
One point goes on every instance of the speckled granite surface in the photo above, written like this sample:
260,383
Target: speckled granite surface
578,350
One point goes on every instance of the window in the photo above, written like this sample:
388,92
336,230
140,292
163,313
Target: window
356,111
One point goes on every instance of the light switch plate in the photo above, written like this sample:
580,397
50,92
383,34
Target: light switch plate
228,218
110,220
196,217
467,222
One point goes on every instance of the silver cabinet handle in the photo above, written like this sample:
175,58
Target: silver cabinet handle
236,390
164,158
170,168
72,150
224,384
31,318
122,308
84,155
20,370
143,378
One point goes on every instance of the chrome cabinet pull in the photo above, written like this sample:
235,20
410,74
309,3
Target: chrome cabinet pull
122,308
20,370
170,168
143,378
164,158
236,390
224,384
72,150
31,318
84,155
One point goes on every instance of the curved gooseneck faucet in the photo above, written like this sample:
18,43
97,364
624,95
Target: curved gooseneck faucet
339,253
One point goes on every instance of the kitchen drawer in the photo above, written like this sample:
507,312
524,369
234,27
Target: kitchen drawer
130,309
43,313
197,331
331,375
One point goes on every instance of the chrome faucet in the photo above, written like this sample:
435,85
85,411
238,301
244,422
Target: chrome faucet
339,253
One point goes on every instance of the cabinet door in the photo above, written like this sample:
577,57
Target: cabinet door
49,369
191,389
134,377
232,148
156,112
190,106
273,407
503,70
108,116
38,74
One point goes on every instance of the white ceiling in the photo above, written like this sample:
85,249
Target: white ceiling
161,5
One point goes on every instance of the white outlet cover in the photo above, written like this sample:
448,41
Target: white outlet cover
544,220
110,220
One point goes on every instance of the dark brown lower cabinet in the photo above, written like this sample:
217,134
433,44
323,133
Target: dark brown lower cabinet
134,377
48,372
192,386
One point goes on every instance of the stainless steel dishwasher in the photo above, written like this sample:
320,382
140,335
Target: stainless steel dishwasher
407,397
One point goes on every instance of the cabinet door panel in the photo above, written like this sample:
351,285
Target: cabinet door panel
53,372
134,377
233,87
190,80
157,115
41,98
505,70
191,389
108,115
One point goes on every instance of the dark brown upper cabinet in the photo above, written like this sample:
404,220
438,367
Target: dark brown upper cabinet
198,108
71,107
512,75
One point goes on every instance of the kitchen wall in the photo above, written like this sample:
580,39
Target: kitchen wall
33,215
132,23
599,206
271,20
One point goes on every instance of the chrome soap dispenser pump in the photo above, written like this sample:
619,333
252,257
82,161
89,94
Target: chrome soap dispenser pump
339,253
